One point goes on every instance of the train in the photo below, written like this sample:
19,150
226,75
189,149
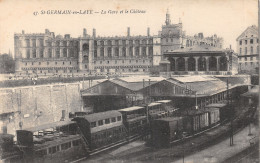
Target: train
86,134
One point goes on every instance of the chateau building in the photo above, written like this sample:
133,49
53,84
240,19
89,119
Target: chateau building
248,50
45,53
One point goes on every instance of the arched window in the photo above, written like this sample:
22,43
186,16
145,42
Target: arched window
191,64
223,63
202,64
85,48
212,64
180,64
187,43
172,64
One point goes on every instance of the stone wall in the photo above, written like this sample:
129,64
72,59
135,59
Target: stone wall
35,105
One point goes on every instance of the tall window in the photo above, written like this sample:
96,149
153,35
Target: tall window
65,52
41,53
27,43
257,49
144,51
109,52
251,50
251,41
57,53
116,51
246,50
245,41
123,52
28,53
137,51
240,51
34,42
50,53
131,51
240,42
34,53
102,52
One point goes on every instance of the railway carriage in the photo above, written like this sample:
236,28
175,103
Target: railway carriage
166,130
196,120
55,142
135,120
102,130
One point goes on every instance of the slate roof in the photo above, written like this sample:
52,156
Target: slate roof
198,49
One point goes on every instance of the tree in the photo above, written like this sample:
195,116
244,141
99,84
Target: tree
7,64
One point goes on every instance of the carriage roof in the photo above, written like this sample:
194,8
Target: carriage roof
133,108
102,115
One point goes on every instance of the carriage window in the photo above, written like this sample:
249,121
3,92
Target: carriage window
58,148
52,150
75,142
113,119
119,118
41,152
64,146
69,144
107,121
100,122
93,124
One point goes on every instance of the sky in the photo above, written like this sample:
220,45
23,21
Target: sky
226,18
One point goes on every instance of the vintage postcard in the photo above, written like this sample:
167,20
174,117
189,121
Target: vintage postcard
129,81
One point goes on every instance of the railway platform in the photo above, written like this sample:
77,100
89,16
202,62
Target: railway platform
223,151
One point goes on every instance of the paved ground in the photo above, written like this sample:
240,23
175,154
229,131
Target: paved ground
222,151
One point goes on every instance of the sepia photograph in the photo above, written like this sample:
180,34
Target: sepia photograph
129,81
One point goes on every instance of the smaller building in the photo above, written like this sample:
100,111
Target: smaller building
248,50
200,59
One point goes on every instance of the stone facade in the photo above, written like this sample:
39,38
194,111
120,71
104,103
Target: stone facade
45,53
248,50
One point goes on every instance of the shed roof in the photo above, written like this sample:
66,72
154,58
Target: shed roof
154,104
163,101
216,105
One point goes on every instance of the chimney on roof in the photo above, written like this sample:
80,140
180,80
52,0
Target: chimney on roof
230,47
94,32
148,31
47,31
128,31
84,32
22,31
